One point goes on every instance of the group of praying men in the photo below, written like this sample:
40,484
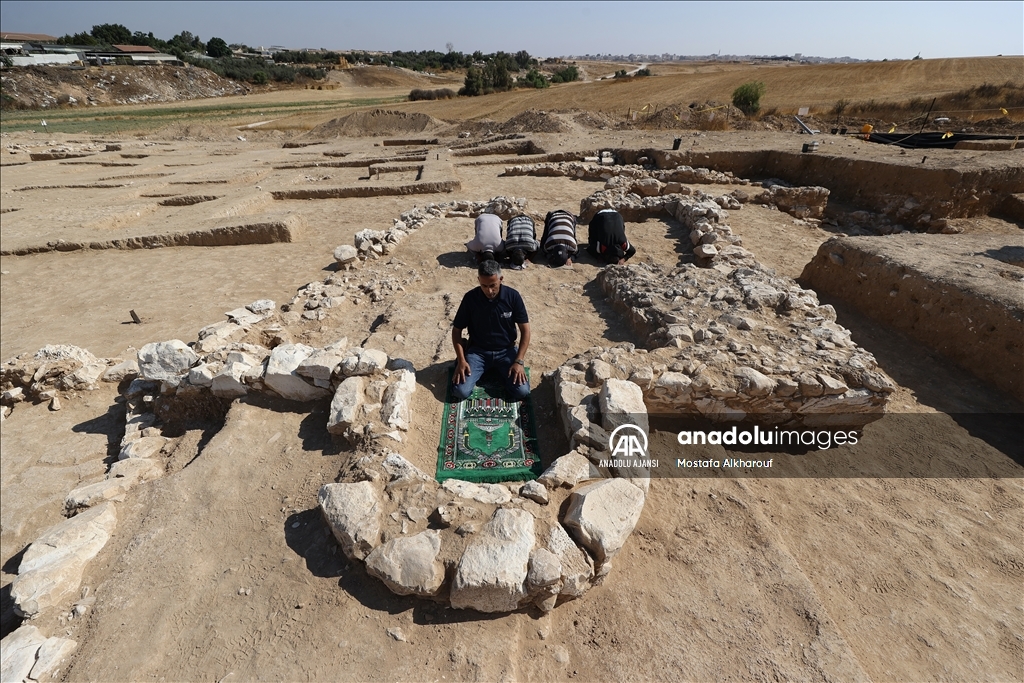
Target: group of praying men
558,243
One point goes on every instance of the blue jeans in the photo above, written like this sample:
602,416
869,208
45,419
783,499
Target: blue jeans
480,361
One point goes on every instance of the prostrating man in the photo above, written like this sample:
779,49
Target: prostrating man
608,237
520,240
559,240
491,313
486,242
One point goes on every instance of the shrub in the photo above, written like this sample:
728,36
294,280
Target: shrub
839,107
566,75
533,79
747,97
643,72
259,78
217,47
439,94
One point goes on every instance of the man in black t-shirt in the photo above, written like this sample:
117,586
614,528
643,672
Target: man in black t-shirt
491,313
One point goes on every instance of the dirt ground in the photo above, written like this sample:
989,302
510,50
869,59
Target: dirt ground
223,570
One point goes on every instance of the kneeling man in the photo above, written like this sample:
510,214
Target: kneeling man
491,313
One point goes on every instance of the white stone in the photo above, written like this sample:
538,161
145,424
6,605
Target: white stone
27,655
408,565
491,575
244,317
622,402
84,377
753,383
353,513
396,411
363,362
93,494
321,364
51,569
348,399
50,656
489,494
166,361
545,570
202,374
282,378
576,566
136,470
217,335
535,491
571,394
228,383
15,395
262,307
18,653
146,447
401,471
346,253
602,516
569,470
833,386
705,251
121,371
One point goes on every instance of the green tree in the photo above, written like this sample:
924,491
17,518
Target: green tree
747,97
566,75
218,47
534,79
474,83
112,34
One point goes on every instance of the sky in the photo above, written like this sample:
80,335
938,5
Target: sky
862,30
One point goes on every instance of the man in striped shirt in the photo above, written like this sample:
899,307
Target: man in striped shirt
559,240
521,240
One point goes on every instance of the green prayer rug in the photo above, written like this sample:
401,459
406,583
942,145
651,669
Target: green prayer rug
488,437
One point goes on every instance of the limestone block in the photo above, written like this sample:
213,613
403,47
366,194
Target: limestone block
401,471
545,570
576,567
346,253
705,251
599,371
321,364
262,307
228,383
51,569
18,653
217,335
491,575
136,470
833,386
346,404
50,656
622,402
569,470
363,362
753,383
93,494
571,394
408,565
490,494
353,512
535,491
602,516
166,361
83,377
146,447
202,374
395,411
281,376
121,371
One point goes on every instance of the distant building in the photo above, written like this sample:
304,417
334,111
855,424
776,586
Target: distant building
26,37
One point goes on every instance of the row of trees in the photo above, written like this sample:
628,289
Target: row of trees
185,45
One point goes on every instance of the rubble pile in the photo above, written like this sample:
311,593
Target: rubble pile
56,368
734,339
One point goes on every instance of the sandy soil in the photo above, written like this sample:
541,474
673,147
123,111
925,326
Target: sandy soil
739,579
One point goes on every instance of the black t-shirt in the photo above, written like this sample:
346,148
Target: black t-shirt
491,322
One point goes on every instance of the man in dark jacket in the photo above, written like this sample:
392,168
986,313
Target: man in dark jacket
608,237
491,313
